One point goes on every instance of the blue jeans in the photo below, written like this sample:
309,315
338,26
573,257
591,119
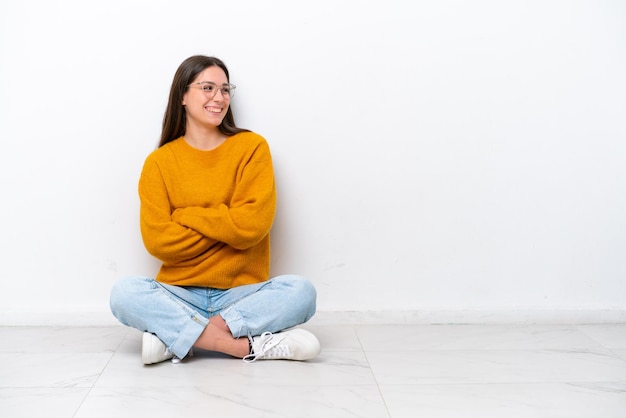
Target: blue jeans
178,315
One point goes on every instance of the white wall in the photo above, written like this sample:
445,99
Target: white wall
456,160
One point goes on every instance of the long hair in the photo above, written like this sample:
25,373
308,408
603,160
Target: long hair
175,119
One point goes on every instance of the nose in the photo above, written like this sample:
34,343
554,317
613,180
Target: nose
218,91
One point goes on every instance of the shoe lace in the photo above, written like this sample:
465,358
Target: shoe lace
269,346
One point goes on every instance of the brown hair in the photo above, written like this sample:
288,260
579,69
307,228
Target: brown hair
175,119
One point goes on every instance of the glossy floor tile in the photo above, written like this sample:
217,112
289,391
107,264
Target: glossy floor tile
377,371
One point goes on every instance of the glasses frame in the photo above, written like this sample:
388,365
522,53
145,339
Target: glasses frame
200,84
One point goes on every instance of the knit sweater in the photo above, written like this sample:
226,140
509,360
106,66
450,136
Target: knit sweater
207,214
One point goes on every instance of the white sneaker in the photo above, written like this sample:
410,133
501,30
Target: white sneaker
294,344
153,350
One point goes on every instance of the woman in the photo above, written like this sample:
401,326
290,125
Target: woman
208,200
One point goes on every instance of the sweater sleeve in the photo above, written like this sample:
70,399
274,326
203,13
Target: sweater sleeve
247,218
165,239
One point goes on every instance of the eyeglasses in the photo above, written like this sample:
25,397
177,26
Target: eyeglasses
211,89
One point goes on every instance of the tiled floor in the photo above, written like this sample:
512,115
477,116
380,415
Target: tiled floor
375,371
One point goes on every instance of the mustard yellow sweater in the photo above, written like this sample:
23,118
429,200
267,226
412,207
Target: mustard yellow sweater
207,214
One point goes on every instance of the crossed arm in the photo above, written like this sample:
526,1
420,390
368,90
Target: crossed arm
177,236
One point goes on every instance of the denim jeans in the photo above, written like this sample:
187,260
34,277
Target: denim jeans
178,315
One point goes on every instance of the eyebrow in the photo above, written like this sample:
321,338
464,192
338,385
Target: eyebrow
211,82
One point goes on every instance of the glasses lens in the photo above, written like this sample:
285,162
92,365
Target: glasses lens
228,90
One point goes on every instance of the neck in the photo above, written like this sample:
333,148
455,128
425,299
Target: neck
204,139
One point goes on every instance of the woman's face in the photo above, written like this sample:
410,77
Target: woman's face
205,100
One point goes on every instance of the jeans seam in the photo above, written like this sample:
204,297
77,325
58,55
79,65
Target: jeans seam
193,314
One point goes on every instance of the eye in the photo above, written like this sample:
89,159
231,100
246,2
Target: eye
226,90
209,88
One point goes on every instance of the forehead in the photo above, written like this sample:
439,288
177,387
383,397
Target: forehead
214,74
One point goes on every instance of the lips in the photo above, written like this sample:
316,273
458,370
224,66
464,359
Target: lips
215,110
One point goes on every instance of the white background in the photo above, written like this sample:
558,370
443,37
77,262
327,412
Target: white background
466,158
